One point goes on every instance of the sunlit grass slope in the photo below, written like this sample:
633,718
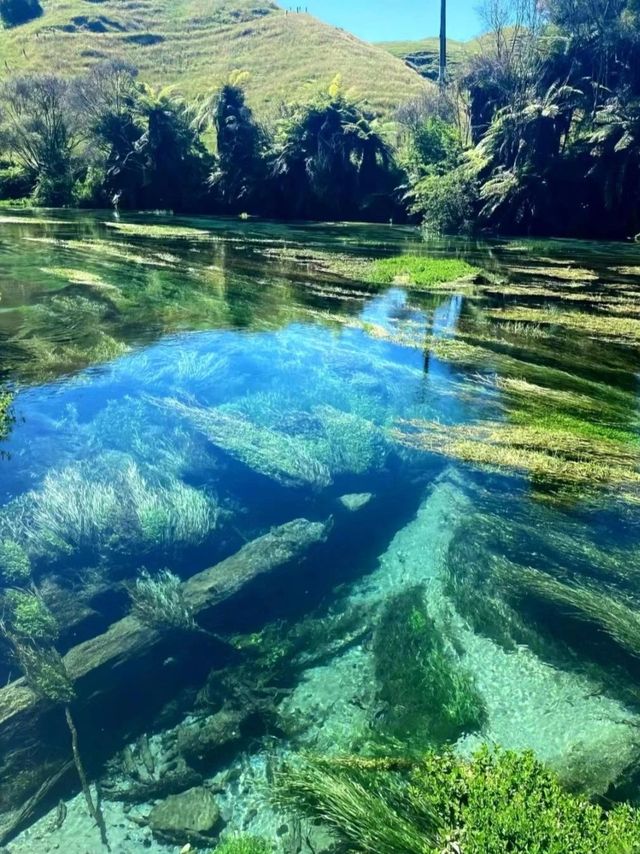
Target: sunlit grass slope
423,54
194,44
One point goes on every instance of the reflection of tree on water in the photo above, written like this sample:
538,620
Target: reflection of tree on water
7,417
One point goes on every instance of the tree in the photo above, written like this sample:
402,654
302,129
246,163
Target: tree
331,164
240,175
517,160
170,146
614,150
105,102
38,129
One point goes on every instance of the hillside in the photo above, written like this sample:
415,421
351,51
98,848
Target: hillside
194,44
423,54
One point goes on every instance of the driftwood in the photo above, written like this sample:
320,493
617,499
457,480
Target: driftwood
128,673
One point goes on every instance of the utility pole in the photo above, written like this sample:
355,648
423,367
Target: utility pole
442,76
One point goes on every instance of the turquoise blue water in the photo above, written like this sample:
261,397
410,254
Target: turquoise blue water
180,396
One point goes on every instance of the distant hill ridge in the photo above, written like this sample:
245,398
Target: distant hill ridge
194,44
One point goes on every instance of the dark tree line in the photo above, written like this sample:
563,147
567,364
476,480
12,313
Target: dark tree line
537,133
107,139
542,128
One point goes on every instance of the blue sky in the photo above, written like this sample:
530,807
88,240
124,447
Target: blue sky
378,20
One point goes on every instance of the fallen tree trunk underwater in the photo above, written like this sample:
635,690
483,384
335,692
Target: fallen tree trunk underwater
132,671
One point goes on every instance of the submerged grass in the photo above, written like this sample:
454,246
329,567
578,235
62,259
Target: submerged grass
79,277
420,272
160,232
496,801
612,328
549,454
429,696
591,605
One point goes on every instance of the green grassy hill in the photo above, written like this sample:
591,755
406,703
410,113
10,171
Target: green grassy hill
194,44
423,54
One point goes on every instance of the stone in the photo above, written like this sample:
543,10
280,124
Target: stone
356,501
193,816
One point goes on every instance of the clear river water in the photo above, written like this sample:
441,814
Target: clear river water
188,389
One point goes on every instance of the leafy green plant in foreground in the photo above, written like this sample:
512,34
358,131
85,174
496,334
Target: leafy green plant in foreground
494,802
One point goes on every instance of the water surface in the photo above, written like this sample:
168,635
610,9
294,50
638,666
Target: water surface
185,386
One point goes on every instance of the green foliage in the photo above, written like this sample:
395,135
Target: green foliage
44,671
331,163
446,202
15,566
241,170
158,601
495,802
7,418
16,12
420,271
15,182
435,146
428,695
243,845
29,618
37,128
169,146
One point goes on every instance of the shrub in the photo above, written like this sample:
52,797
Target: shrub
15,182
53,188
447,202
495,802
16,12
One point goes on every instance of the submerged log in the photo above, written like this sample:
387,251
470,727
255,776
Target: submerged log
128,673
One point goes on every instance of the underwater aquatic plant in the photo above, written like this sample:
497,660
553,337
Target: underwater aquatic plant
46,674
268,452
360,807
15,566
611,614
430,698
161,232
44,670
29,618
550,453
158,601
243,845
496,801
107,504
612,328
411,271
419,271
